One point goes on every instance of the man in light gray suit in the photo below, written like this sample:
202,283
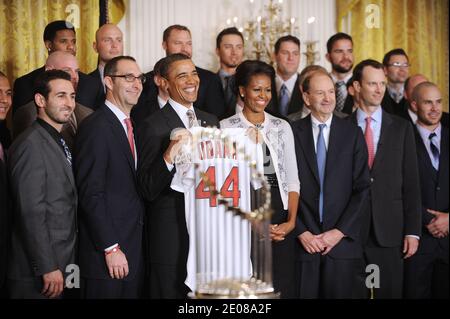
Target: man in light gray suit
44,193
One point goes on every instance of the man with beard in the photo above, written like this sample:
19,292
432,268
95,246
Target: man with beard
340,55
25,115
230,50
426,273
396,68
44,228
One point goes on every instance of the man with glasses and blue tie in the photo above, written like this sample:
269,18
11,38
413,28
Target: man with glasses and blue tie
111,213
332,161
426,273
396,68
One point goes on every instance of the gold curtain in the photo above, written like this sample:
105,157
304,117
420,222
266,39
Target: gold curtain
420,27
22,24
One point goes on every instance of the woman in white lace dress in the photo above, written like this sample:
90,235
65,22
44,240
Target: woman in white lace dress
254,83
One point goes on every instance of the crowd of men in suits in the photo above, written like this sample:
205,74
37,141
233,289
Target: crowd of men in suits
85,177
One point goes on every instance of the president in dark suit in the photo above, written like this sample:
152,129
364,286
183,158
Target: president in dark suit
211,99
392,218
58,36
44,227
332,163
168,239
4,223
111,208
426,273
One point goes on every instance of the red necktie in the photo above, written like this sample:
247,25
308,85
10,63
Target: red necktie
130,136
368,135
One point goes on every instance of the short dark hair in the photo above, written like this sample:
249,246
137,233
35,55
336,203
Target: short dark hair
359,68
158,65
55,26
169,60
286,38
228,31
398,51
111,66
42,86
249,68
166,33
307,80
336,37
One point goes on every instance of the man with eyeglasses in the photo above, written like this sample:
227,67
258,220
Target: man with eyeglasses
396,67
111,208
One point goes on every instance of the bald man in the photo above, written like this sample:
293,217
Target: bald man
26,115
108,44
410,114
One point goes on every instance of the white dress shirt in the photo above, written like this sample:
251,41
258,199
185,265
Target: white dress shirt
290,84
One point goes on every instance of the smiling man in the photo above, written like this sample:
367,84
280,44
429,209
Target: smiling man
44,230
168,243
111,209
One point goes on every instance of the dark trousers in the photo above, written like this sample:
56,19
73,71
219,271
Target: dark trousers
427,276
113,288
329,278
167,282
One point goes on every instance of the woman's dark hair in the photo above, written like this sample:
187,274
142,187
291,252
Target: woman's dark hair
249,68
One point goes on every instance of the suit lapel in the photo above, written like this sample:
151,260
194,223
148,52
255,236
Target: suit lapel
57,150
307,142
120,135
172,118
444,156
335,145
385,132
423,154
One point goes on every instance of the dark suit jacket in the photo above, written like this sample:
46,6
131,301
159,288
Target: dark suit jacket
394,209
435,191
346,184
295,103
5,135
111,208
44,226
389,105
210,93
168,237
4,224
142,111
89,93
27,114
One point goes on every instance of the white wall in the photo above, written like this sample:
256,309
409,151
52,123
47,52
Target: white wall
145,21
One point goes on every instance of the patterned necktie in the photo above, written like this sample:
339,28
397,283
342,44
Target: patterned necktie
2,153
321,161
434,151
368,136
130,136
340,95
191,116
66,151
284,100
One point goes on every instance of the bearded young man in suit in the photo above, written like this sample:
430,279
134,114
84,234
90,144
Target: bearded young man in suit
392,216
426,273
111,208
44,227
168,238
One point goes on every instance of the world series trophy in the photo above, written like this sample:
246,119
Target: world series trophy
230,248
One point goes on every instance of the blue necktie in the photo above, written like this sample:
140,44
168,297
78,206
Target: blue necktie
66,151
321,160
434,151
284,100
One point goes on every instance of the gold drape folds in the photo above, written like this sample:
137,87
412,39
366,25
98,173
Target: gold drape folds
22,24
420,27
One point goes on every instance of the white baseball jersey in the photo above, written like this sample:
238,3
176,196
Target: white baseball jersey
219,241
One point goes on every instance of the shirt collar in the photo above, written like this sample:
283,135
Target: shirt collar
290,83
180,109
315,122
335,79
117,112
376,116
425,133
